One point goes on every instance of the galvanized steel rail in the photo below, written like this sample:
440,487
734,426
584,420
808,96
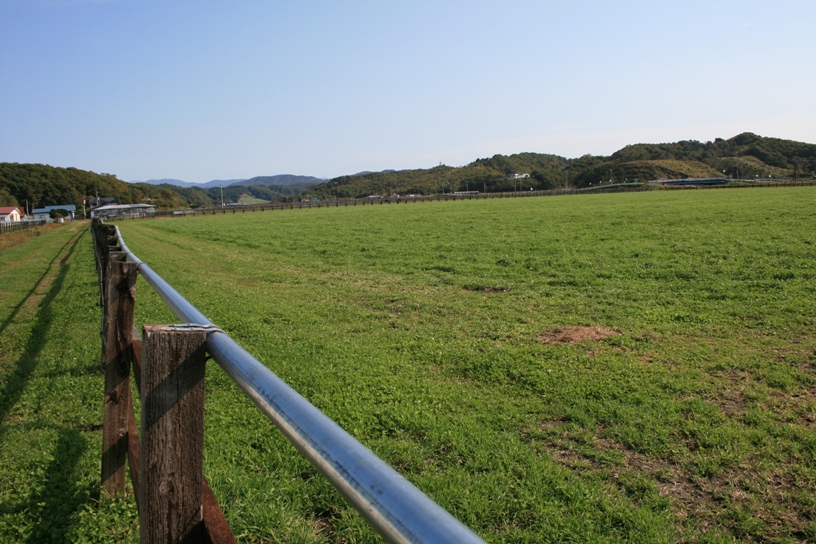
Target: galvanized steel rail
396,509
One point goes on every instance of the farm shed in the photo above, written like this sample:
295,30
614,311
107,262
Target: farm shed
44,214
124,210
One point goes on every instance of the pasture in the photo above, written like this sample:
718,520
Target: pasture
631,367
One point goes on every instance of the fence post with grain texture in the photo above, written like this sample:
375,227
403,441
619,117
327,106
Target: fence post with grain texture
172,460
117,336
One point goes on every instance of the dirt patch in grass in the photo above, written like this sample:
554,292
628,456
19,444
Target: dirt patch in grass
730,398
574,335
794,406
486,290
324,524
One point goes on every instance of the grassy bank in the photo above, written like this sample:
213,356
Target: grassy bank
596,368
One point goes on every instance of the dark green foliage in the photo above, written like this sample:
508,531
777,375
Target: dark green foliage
41,185
7,199
732,158
57,213
233,193
546,179
523,163
194,197
282,180
278,192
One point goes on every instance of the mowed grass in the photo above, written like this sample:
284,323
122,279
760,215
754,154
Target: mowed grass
51,395
249,199
428,332
446,337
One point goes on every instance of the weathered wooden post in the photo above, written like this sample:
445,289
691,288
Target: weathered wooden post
117,335
172,434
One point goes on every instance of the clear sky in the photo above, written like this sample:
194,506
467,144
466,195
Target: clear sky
201,90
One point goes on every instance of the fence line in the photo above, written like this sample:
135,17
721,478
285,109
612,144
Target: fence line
396,509
345,202
19,225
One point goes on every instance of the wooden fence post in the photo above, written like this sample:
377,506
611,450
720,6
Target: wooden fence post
172,434
117,335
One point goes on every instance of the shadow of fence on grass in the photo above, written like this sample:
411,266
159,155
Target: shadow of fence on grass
50,510
43,321
6,322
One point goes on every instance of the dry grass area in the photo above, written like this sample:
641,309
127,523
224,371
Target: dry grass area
712,501
11,239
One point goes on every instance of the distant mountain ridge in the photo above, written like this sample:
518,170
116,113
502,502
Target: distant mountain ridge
280,179
191,184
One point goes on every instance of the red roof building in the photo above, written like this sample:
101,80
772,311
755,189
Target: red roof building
10,214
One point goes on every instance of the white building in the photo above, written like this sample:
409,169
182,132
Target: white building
44,214
10,214
124,210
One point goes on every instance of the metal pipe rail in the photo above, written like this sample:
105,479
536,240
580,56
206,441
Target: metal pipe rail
396,509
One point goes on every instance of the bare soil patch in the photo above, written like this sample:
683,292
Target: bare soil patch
574,335
486,290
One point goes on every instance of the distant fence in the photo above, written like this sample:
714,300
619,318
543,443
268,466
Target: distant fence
469,195
19,225
166,456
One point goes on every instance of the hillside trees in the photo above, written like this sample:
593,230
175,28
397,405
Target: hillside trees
42,185
7,199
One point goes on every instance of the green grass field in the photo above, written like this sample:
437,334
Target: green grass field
633,367
50,396
249,199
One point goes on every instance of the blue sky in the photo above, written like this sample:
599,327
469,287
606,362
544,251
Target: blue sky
201,90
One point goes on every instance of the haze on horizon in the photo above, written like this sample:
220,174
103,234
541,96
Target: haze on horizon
208,90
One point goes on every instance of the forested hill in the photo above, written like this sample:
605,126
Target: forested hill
280,180
42,185
746,156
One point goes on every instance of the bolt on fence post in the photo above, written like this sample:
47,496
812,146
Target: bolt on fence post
117,335
172,457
